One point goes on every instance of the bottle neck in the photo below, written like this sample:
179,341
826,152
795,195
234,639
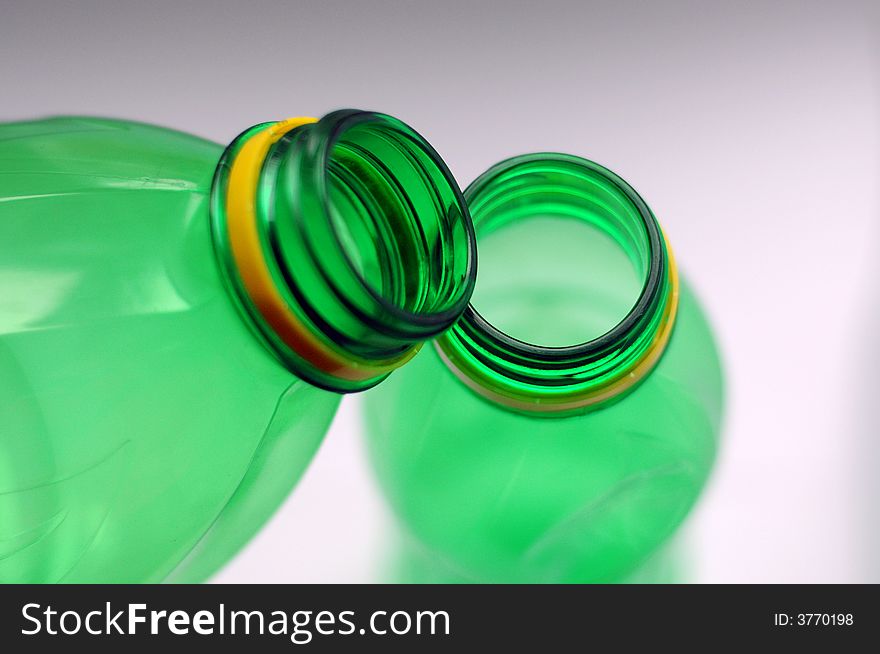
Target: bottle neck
346,242
559,381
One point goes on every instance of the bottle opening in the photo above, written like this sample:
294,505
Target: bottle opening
577,291
553,280
398,216
346,241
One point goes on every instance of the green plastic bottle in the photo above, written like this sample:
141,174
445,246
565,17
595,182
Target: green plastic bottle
563,428
178,321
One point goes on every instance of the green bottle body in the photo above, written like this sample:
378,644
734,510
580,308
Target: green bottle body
145,432
486,494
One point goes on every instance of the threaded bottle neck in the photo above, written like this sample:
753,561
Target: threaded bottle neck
559,381
346,242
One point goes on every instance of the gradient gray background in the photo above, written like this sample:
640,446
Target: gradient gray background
750,128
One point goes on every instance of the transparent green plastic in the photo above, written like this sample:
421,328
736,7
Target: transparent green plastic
367,237
489,494
147,428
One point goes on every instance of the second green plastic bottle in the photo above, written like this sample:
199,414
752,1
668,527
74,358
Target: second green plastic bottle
562,430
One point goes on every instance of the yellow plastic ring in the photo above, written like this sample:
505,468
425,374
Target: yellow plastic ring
253,270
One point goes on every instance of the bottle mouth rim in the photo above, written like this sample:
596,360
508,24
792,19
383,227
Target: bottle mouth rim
328,131
263,275
556,380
